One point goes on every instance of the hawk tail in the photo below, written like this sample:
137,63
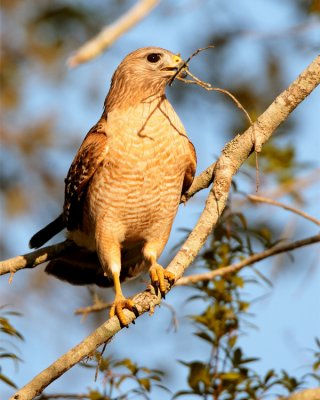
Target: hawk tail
79,267
46,233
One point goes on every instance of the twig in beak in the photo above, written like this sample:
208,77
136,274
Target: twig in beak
185,64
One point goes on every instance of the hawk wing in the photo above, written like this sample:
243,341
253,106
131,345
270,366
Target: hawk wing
89,157
191,169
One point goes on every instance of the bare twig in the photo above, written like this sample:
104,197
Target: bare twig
184,66
96,307
295,210
207,86
233,156
111,33
283,248
288,188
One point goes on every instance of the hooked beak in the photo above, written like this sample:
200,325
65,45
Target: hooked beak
178,64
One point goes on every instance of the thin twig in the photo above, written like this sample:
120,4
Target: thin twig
208,276
184,66
96,307
288,188
207,86
295,210
111,33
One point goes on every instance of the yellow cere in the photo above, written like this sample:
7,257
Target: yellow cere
176,58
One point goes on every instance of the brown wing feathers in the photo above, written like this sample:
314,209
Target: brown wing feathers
91,153
191,169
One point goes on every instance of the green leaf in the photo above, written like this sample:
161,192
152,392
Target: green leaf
316,365
243,305
270,374
184,393
7,381
249,360
232,341
230,376
199,373
238,281
145,382
237,355
205,336
10,355
95,395
126,362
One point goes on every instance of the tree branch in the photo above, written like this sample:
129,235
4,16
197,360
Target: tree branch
202,181
287,188
308,394
111,33
34,258
208,276
295,210
233,156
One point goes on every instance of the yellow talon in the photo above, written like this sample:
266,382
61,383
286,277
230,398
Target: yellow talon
120,302
117,307
158,275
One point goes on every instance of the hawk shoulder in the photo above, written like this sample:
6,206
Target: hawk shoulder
91,154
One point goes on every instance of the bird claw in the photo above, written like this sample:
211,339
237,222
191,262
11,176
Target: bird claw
158,275
117,307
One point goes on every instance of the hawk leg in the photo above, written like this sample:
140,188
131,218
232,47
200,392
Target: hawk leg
158,274
120,302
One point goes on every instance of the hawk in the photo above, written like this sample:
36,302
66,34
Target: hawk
124,185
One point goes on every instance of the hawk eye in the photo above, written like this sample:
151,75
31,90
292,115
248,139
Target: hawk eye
154,57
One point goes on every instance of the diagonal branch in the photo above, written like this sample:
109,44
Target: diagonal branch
233,156
111,33
208,276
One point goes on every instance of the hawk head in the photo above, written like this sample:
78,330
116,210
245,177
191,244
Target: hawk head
143,73
153,62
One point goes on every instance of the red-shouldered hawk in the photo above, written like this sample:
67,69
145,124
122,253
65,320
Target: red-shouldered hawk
124,186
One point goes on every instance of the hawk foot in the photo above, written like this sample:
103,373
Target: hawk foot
120,302
158,275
